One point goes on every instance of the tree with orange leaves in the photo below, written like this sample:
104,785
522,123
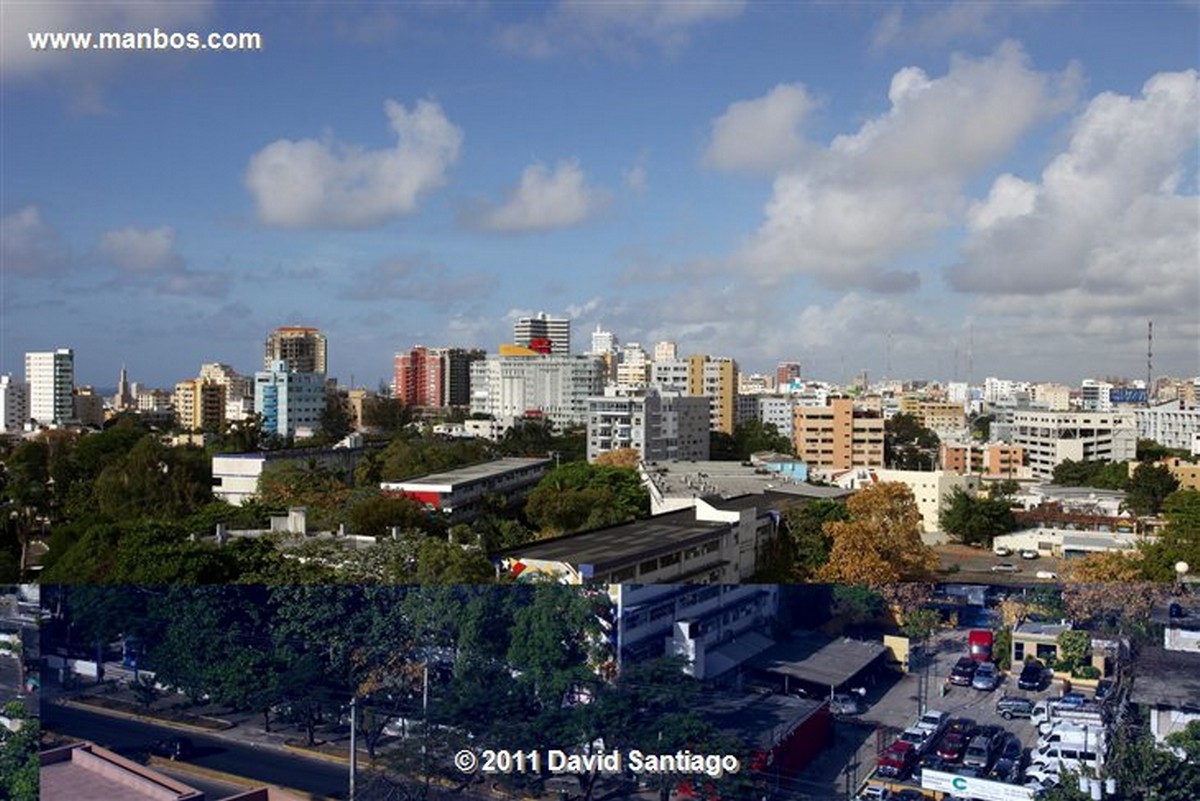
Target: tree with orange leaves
881,543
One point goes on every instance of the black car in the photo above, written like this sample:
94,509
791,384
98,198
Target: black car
1006,770
173,748
964,672
1032,675
1011,748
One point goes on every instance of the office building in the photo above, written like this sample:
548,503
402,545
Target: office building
1050,438
838,436
1095,396
303,349
603,342
633,370
544,334
290,402
50,377
14,405
1170,425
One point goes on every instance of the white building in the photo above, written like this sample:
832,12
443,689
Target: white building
658,426
50,377
1170,425
665,352
633,371
291,403
555,387
1052,397
556,330
1095,396
14,405
603,341
930,489
778,411
669,375
1050,438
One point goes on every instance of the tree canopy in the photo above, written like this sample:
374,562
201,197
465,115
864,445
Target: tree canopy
975,520
579,496
881,542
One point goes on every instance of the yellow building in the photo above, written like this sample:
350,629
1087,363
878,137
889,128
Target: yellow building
838,436
199,405
717,379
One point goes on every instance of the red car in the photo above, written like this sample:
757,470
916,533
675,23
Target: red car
897,761
952,746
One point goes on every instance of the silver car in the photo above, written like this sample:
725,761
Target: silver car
986,677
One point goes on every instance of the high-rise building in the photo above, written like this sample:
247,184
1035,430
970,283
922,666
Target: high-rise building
633,371
123,398
554,387
303,349
434,377
456,384
544,334
14,405
51,379
658,426
290,402
716,378
1050,438
665,352
239,389
199,405
603,342
786,373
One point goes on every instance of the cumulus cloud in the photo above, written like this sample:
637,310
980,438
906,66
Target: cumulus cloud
148,257
1106,216
545,199
616,30
760,135
29,245
325,184
849,210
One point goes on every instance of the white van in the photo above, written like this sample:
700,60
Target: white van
1073,734
1069,757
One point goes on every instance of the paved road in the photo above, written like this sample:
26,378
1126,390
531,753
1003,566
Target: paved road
129,737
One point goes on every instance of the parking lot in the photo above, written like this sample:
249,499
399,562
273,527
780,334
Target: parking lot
860,740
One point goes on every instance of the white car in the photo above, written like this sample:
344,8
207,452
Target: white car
1000,550
1029,553
1047,574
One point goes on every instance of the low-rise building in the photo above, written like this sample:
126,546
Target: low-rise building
235,475
460,494
1164,679
1170,425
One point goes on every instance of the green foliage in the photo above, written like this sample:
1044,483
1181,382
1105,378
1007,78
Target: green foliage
972,520
19,762
1002,648
755,436
1086,672
804,529
154,480
579,496
1148,488
550,641
859,603
376,514
722,447
1101,475
907,445
1074,646
920,623
1179,540
335,418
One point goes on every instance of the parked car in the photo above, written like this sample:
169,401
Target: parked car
951,746
1014,706
931,761
979,753
173,748
1032,675
917,738
875,792
1001,550
1010,748
1103,689
1029,553
1072,700
987,677
960,725
934,720
1006,770
963,671
1048,575
897,761
1006,567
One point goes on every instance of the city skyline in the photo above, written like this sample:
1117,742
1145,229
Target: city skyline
923,191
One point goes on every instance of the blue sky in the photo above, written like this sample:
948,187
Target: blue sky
874,185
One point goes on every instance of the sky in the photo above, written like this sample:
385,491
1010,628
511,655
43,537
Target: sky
943,192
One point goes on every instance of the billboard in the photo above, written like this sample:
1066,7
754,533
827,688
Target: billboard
971,787
1127,395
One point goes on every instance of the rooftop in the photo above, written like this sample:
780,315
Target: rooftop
1166,678
1038,628
760,721
476,472
819,658
675,478
85,772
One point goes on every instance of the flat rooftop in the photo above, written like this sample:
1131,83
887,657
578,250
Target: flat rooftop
820,658
86,772
1166,678
475,472
685,478
611,547
1035,628
760,721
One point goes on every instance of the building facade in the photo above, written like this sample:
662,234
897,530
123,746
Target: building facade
544,334
1170,425
657,425
837,436
1050,438
50,376
14,405
303,348
554,387
290,402
199,405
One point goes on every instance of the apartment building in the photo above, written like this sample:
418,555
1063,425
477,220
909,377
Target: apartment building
199,405
930,489
1052,397
1050,438
994,459
508,387
837,436
1170,425
50,376
633,369
716,378
14,405
239,389
670,375
657,425
778,411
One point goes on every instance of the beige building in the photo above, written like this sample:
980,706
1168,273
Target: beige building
838,436
1186,473
717,378
199,405
993,459
934,415
1054,397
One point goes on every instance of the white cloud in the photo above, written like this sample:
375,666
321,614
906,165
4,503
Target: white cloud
850,210
140,250
311,184
760,135
635,179
1106,213
546,199
614,29
30,245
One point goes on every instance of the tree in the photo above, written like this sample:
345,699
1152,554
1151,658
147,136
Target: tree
628,458
722,447
857,603
578,496
375,515
1073,648
975,520
19,762
881,542
908,445
1179,540
335,418
1102,475
1148,488
1105,566
755,436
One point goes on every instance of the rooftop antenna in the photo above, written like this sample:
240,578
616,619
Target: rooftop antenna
1149,356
